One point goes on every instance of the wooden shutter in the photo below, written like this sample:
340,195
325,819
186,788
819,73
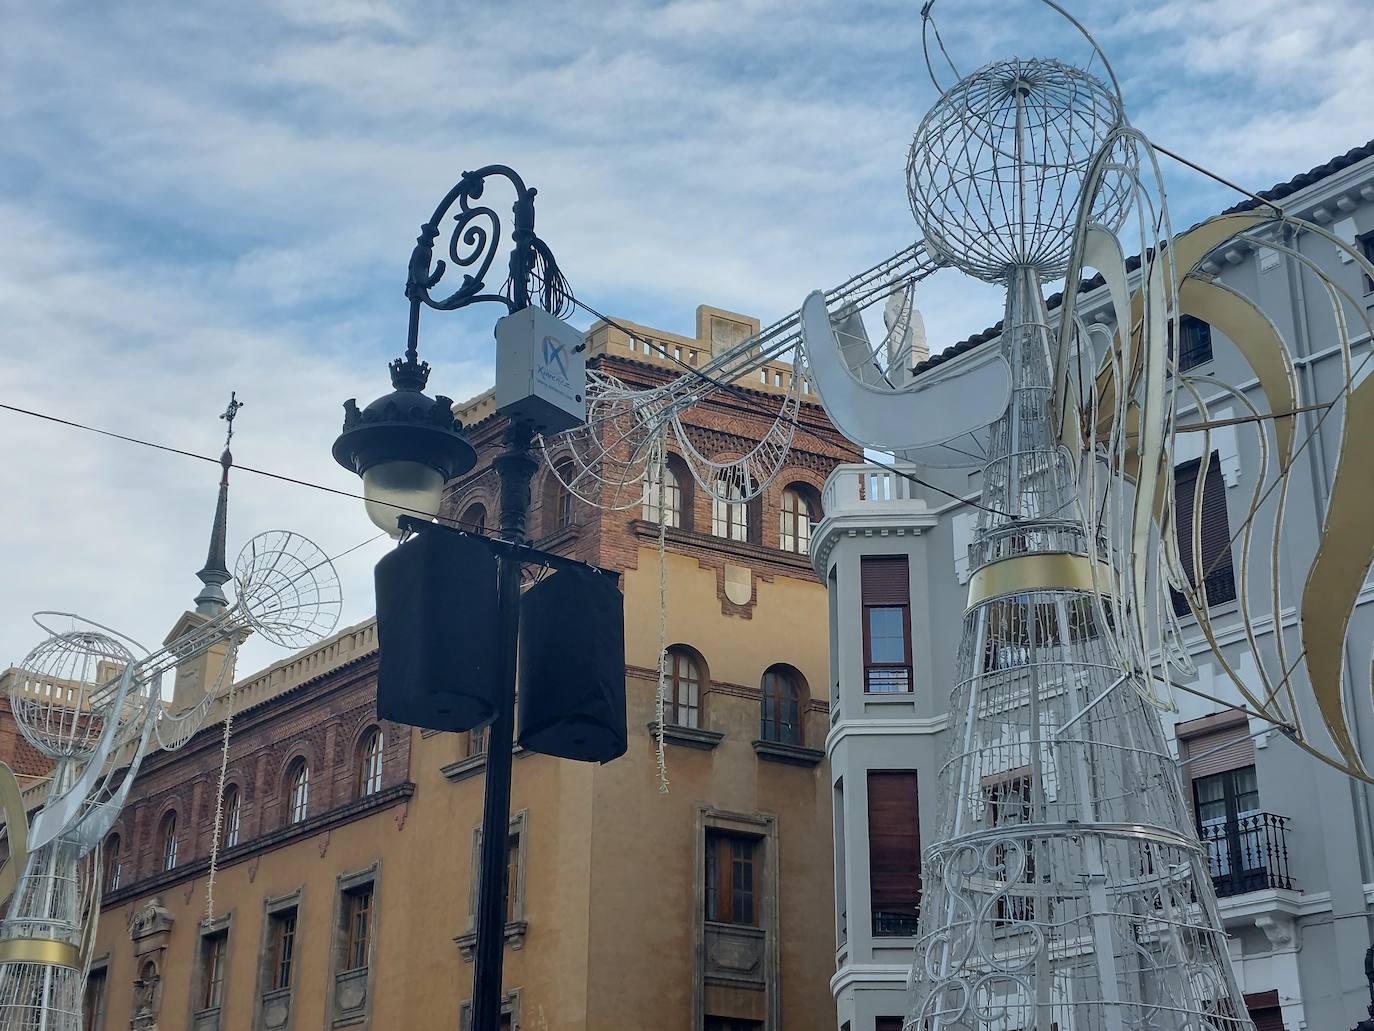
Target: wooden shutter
1226,736
1265,1010
885,580
894,841
1216,530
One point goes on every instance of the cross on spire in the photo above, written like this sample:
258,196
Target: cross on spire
211,600
231,410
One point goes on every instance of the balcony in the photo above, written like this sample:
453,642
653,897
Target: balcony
1248,853
855,488
868,498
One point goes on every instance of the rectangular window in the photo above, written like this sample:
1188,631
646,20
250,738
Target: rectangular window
667,489
1366,246
512,884
357,918
506,1021
475,742
684,690
894,852
886,594
732,1024
281,948
730,519
510,877
887,1024
731,878
1234,830
1195,343
93,1003
1217,572
212,952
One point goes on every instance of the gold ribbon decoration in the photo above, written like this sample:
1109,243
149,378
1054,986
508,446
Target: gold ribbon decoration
17,826
1343,559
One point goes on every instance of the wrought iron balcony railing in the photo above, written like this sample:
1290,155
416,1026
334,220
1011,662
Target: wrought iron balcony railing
1248,853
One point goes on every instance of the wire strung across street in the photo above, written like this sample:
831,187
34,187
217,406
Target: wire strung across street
482,531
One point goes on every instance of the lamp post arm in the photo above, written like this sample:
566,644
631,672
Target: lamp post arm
473,245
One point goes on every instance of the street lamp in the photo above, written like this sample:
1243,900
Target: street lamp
405,446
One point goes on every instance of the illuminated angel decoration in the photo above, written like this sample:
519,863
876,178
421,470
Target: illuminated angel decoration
1064,841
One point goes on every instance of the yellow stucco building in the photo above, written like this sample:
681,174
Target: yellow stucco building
345,889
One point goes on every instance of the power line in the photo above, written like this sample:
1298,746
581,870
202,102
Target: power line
484,531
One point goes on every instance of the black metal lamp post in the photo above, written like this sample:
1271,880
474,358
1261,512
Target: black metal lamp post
406,445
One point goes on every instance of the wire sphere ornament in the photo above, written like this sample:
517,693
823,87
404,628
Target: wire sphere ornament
287,589
998,166
66,689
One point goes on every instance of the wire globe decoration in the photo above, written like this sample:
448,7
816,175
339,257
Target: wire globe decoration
64,692
287,589
998,166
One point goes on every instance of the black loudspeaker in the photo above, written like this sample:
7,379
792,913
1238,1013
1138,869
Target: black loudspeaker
437,633
572,666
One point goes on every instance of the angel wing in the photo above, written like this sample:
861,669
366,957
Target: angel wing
1124,419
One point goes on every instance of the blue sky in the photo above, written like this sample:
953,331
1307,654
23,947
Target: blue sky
193,201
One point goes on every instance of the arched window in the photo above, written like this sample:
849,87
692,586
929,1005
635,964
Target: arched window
799,511
474,520
168,837
730,517
563,499
781,711
229,813
370,763
682,706
114,863
672,495
298,791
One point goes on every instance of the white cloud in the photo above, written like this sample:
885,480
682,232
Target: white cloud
191,203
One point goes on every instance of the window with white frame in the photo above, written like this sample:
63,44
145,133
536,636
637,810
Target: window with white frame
298,791
729,510
370,763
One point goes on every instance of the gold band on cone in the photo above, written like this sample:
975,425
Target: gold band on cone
1026,574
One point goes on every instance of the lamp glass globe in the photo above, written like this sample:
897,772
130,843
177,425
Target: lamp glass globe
394,489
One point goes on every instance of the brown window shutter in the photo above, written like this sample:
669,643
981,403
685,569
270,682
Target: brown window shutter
1216,529
885,580
894,842
1223,748
1265,1010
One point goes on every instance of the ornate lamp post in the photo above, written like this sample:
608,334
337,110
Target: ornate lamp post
406,445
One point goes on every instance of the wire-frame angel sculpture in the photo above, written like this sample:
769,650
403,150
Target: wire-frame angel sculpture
90,700
1067,886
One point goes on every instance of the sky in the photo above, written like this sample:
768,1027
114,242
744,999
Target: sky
197,198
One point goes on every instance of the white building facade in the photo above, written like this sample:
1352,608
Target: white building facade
1289,839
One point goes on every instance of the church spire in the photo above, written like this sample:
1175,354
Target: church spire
211,600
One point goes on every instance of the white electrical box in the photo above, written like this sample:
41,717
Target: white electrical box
541,371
